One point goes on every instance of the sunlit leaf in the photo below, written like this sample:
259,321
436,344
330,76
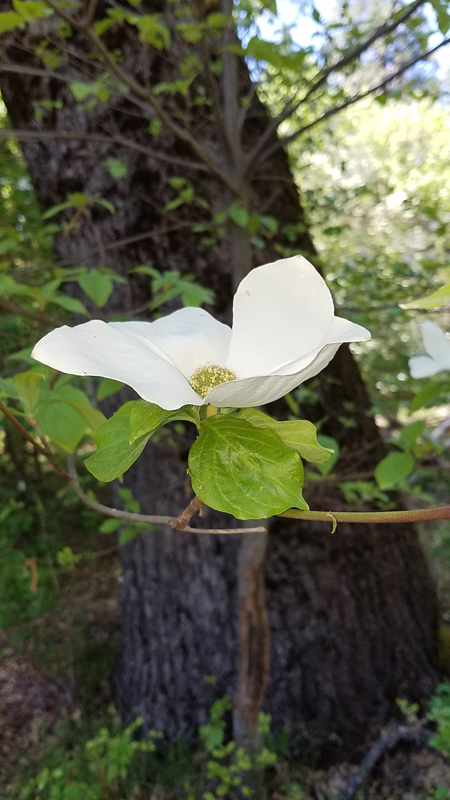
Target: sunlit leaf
299,434
245,471
9,20
441,297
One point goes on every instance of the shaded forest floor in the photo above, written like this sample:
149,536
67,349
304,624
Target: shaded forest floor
54,696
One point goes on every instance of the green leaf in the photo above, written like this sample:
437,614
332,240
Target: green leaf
245,471
81,91
110,525
97,286
62,423
102,25
116,168
427,395
270,223
107,387
92,416
69,303
146,418
441,297
28,387
114,453
409,433
54,210
8,286
332,445
105,203
239,216
9,20
31,9
300,434
154,127
393,468
49,288
151,30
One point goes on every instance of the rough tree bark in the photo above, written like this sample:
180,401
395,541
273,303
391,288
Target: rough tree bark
352,615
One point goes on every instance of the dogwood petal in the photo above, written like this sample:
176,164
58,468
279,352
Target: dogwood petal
424,367
436,343
281,312
339,332
258,390
100,349
188,338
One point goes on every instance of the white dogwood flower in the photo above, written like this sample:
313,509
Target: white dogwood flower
437,347
284,331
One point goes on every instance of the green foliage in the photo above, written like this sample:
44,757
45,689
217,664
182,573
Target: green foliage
146,418
299,435
101,769
393,468
78,201
246,471
118,169
171,284
330,444
114,453
228,764
121,439
439,713
440,297
97,285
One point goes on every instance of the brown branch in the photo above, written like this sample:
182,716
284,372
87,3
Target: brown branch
44,451
291,107
403,733
24,312
280,143
36,72
150,519
195,505
230,85
120,141
138,237
367,517
183,134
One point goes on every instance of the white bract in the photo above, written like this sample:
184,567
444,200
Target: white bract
437,346
284,331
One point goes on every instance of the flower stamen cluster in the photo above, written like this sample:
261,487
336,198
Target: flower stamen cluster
205,378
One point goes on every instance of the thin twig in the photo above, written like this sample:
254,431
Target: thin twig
367,517
138,237
182,133
195,505
282,142
40,448
150,519
291,107
25,312
120,141
403,733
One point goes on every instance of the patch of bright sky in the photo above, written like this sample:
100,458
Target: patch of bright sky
302,26
304,31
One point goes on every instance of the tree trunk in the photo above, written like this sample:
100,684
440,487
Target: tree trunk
352,615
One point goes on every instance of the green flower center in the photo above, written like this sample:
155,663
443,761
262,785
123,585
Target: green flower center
205,378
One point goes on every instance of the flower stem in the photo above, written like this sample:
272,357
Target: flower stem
367,517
